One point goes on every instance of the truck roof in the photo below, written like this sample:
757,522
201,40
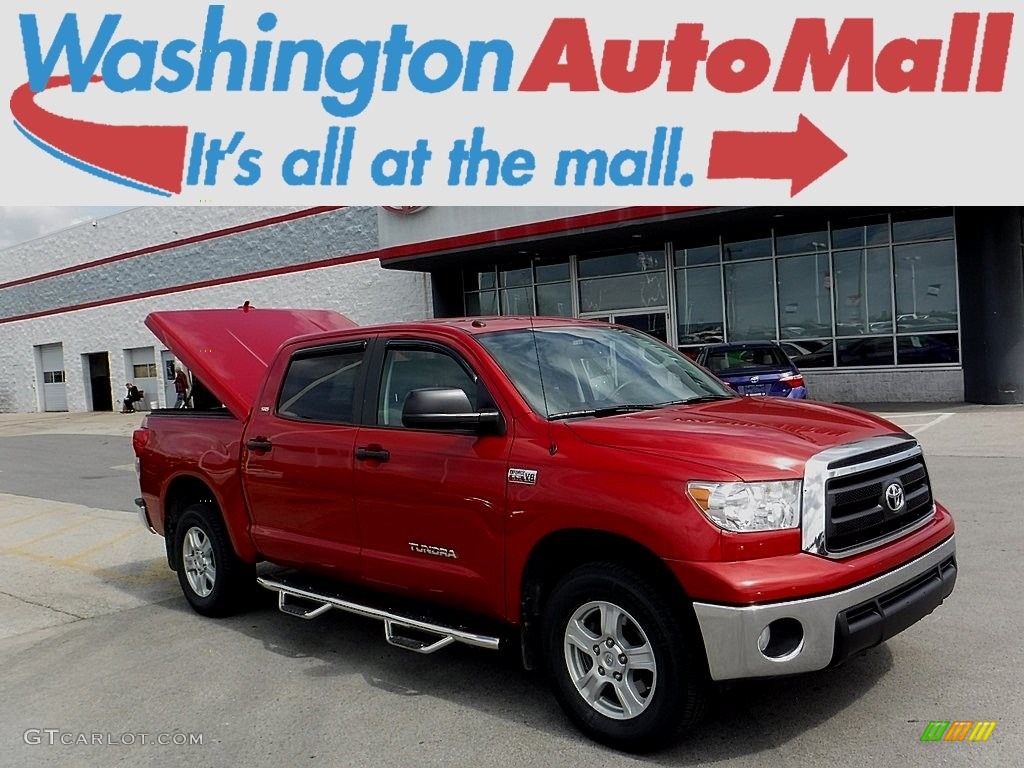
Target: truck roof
475,326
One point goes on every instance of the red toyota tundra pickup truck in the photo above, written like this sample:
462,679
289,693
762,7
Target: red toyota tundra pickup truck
575,491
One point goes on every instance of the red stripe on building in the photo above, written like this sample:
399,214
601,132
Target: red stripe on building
573,224
176,244
195,286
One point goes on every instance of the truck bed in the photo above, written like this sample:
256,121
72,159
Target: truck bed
176,444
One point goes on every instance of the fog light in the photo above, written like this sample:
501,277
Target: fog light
781,640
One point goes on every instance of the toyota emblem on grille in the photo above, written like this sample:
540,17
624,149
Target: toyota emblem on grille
894,498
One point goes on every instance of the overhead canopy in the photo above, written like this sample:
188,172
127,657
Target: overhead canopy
229,350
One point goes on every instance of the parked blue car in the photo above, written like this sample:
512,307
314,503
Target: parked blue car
759,369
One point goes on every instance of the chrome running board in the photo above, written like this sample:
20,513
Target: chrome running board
307,604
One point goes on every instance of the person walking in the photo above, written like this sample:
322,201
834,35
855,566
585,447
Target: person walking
181,388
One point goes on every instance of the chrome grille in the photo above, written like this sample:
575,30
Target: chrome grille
844,510
856,513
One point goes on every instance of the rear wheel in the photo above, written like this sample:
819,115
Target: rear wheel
620,658
214,581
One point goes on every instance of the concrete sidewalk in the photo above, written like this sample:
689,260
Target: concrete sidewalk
19,424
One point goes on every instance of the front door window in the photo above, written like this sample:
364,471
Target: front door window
406,370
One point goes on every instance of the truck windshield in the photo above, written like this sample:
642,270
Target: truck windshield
570,371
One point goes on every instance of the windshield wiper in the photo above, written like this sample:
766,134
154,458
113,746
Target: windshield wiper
705,399
612,410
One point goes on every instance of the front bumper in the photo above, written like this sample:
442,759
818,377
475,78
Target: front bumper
819,631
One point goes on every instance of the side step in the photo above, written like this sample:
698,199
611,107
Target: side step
405,632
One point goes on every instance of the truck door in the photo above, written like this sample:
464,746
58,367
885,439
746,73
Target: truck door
431,504
297,457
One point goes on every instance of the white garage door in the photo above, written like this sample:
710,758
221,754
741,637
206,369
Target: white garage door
167,364
142,364
55,393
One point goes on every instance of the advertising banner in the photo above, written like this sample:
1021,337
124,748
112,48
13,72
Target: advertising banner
573,103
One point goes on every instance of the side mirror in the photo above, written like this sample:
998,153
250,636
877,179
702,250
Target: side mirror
448,409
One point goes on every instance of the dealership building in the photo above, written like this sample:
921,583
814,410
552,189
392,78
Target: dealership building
874,305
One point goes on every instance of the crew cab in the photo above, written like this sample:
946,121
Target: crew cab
574,491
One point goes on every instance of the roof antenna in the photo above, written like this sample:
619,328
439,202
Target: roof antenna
247,307
552,447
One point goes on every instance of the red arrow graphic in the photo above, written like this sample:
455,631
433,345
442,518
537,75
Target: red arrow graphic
152,155
802,157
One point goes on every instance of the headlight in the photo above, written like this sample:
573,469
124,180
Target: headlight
747,507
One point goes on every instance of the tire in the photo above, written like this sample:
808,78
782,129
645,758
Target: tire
215,582
639,683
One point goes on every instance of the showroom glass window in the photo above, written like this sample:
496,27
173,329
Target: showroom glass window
698,283
866,291
927,306
804,277
632,280
749,282
536,287
863,279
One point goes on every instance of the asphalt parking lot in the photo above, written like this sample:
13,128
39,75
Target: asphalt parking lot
95,639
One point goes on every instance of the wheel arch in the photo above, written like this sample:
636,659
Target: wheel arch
186,490
561,552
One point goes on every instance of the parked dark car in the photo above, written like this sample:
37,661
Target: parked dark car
758,369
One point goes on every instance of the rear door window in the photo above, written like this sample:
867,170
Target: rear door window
321,386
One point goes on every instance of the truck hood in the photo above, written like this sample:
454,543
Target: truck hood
229,350
752,438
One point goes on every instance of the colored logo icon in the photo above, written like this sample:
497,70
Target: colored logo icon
958,730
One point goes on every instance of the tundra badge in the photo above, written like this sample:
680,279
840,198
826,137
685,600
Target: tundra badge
425,549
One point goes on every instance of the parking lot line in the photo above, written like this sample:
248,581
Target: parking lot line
30,518
916,423
79,556
53,534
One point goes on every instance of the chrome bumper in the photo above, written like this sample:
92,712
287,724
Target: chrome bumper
144,515
731,632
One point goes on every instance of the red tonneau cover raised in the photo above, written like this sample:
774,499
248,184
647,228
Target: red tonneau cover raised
229,350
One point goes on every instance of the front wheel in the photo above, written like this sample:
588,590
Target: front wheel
621,658
215,582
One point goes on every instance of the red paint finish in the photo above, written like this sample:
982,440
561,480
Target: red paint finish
177,448
301,495
438,519
795,576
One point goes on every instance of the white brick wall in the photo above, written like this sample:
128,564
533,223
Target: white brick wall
362,290
127,231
